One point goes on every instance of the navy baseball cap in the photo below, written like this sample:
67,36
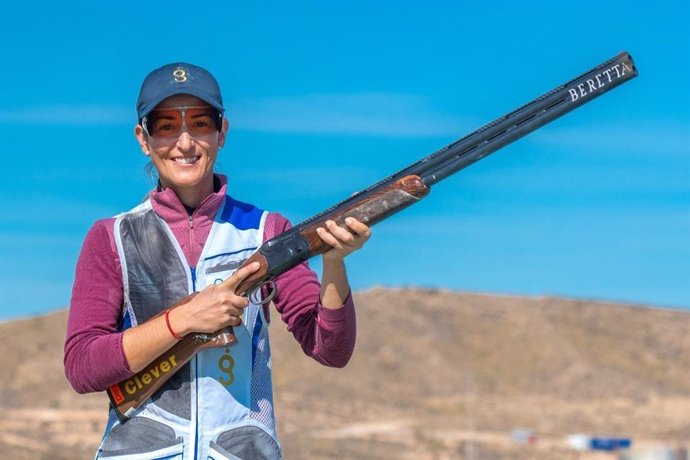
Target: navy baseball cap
178,78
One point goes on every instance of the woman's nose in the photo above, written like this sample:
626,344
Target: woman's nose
185,141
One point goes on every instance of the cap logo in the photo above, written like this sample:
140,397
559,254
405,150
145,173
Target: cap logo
180,75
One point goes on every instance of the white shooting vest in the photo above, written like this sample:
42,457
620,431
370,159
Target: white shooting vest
220,405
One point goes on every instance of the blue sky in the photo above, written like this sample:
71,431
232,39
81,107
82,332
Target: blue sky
326,98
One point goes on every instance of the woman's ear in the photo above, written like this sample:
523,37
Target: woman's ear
223,133
142,138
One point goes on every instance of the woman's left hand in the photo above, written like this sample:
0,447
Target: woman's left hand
343,241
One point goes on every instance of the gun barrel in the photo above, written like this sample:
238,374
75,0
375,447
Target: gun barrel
504,130
526,119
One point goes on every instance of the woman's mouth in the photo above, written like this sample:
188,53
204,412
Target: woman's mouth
186,160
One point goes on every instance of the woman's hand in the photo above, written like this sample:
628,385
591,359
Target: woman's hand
343,241
212,309
215,307
334,284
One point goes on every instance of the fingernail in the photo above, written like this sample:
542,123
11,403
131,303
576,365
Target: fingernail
348,220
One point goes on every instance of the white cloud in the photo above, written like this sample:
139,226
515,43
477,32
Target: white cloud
299,176
72,115
377,114
645,136
14,240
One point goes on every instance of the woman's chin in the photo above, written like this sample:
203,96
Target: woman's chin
187,179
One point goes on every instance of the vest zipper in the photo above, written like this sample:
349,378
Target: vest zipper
191,231
191,246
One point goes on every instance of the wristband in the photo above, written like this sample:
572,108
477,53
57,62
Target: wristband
167,321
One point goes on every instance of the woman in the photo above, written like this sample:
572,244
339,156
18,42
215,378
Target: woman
188,236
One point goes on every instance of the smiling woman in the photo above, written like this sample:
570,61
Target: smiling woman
182,135
186,241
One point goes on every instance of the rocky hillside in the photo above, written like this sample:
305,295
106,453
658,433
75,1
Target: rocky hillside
435,375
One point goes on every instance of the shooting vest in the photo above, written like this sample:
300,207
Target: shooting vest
220,405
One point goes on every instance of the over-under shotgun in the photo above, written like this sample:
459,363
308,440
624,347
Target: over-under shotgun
371,206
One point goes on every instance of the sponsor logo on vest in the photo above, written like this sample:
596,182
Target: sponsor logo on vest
116,393
137,383
226,364
598,81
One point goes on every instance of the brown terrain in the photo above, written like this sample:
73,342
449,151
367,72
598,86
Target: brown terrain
435,375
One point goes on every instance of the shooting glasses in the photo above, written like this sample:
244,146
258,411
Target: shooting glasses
170,123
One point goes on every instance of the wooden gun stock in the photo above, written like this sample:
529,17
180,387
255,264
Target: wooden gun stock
128,395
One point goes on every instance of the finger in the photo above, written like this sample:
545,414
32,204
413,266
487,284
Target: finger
237,320
358,227
240,274
342,234
236,304
233,320
328,238
234,310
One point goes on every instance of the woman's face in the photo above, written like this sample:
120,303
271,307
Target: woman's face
182,140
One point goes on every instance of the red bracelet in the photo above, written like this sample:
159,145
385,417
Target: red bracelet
167,321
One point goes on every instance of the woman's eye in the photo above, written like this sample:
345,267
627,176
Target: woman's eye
202,123
165,126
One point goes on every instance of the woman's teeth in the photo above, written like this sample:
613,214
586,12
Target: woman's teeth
185,160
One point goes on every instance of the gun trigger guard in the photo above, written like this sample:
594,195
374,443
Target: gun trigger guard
254,295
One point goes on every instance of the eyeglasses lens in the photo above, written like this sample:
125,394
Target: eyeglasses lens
169,123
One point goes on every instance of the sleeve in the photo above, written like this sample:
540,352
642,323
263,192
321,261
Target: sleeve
94,358
325,334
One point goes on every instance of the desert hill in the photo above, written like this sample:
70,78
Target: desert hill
435,375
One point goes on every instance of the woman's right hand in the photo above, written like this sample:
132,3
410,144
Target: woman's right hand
215,307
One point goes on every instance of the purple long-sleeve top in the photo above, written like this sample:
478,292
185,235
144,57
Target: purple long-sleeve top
94,357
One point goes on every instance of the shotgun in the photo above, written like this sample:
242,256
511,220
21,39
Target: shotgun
372,205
